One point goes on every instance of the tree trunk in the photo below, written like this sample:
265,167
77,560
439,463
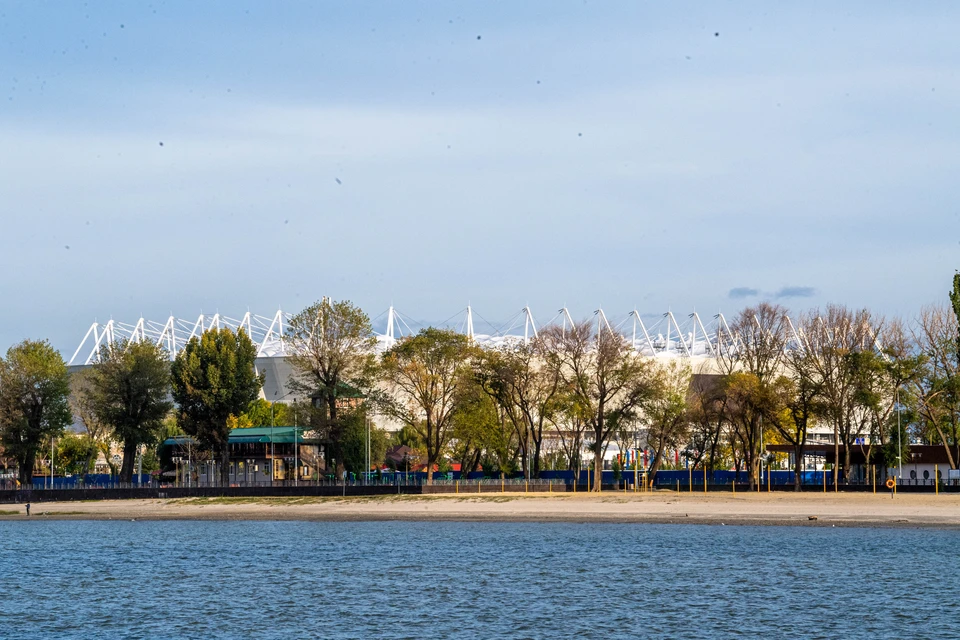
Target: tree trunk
25,467
798,466
91,461
836,455
129,460
597,470
657,461
430,460
225,465
536,456
946,446
846,464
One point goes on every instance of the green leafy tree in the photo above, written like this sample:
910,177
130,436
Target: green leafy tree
129,393
332,351
425,373
955,303
213,379
481,430
34,401
74,451
665,411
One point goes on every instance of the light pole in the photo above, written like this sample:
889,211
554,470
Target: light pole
899,444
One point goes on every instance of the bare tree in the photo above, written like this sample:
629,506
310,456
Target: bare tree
755,361
838,338
936,387
790,403
709,420
608,378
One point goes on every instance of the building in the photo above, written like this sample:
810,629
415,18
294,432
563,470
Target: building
258,455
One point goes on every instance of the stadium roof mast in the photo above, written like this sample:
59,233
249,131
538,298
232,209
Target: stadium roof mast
528,324
646,336
469,322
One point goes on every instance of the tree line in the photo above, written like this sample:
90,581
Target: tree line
556,401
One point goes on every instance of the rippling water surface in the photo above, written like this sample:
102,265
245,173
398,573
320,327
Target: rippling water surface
422,580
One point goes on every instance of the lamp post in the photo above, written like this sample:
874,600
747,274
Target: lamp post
899,444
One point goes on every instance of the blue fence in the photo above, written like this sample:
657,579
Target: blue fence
776,478
99,480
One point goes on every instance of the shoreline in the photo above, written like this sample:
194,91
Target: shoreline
760,509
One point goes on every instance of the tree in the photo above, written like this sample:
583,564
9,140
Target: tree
34,406
332,349
477,428
754,362
839,340
569,422
129,393
425,373
262,413
790,405
74,451
525,384
608,378
82,406
665,411
707,405
213,379
935,390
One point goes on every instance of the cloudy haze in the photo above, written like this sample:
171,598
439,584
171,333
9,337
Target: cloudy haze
179,157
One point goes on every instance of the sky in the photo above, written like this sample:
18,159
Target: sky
181,157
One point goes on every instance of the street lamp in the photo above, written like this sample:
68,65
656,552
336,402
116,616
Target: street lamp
899,444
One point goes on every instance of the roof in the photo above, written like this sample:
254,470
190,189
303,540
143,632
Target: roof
277,435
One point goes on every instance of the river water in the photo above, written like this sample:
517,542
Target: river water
206,579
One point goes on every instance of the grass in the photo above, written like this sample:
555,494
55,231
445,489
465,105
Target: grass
8,512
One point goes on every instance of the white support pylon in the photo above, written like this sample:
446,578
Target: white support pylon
646,335
528,324
469,323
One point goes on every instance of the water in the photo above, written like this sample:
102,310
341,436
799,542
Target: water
453,579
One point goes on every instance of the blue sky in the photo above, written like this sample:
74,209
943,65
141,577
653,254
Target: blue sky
631,155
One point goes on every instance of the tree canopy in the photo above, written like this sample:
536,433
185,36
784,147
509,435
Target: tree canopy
129,393
213,379
34,405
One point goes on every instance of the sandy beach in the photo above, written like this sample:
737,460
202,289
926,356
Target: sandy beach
807,509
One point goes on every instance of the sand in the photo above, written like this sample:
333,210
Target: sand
843,509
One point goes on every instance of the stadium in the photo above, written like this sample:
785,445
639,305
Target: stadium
653,335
